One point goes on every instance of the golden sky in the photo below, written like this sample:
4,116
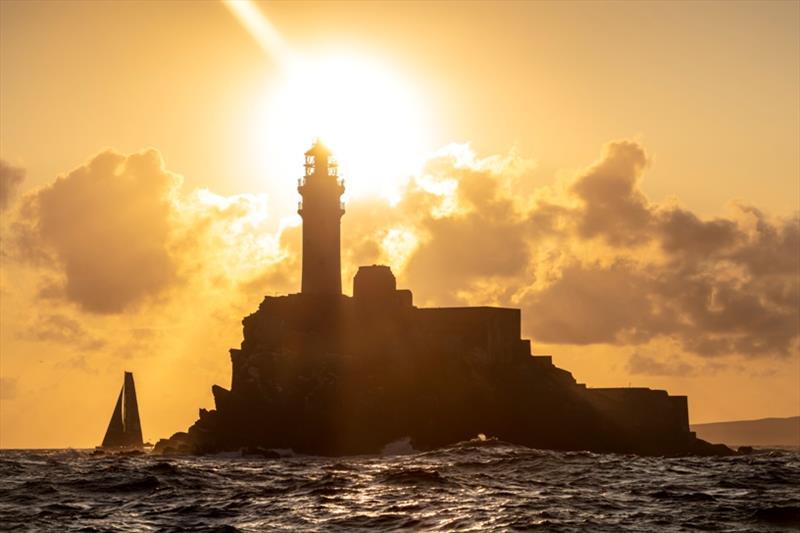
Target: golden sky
627,173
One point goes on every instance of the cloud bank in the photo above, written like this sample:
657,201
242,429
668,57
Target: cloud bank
591,260
718,286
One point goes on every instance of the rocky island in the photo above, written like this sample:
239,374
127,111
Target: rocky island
323,373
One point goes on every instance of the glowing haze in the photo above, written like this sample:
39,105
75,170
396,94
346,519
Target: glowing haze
637,195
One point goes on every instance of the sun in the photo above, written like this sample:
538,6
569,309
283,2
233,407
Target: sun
367,113
372,119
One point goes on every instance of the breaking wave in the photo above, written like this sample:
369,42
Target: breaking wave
485,485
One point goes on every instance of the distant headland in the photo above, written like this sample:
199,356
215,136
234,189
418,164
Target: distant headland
324,373
761,432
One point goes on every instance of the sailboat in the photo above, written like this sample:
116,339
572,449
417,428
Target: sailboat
125,430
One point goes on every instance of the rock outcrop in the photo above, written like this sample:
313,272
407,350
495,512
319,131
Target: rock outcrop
334,375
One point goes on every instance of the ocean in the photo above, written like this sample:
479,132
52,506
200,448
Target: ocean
480,485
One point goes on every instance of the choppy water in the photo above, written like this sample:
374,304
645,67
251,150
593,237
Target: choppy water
481,486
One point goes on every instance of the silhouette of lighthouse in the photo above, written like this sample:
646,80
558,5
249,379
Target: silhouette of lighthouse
322,210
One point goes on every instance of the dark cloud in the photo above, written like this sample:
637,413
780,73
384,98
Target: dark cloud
771,248
591,304
682,232
10,179
618,268
480,241
613,205
631,303
464,250
106,227
720,286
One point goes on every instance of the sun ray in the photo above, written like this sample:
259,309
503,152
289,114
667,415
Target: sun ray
371,118
261,29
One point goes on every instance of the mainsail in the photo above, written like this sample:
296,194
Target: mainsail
125,429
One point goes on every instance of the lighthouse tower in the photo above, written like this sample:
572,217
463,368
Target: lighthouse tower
322,210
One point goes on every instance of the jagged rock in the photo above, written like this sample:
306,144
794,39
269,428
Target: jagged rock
178,444
221,395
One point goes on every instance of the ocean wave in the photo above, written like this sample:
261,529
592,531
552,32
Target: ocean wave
481,484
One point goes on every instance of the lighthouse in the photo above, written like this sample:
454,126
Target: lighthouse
321,209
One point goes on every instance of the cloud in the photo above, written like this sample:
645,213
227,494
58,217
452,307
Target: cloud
10,179
467,233
590,260
117,253
106,229
62,329
718,286
593,260
708,310
591,303
613,206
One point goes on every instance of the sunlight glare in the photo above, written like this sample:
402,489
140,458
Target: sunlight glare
371,120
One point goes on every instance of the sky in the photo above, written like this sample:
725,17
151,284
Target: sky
626,173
